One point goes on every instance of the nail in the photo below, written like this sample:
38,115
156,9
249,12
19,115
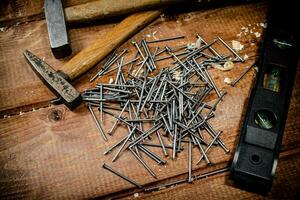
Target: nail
210,48
143,163
157,145
162,144
190,179
230,49
116,122
124,143
105,166
152,155
242,75
115,145
145,135
97,122
208,147
166,39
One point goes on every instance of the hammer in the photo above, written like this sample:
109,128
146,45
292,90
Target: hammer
56,17
58,81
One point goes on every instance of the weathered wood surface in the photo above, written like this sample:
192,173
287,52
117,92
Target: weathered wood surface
54,153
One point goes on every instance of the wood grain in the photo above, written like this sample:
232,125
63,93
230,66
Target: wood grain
91,55
97,10
286,185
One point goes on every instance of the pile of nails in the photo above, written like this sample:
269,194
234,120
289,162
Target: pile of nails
176,102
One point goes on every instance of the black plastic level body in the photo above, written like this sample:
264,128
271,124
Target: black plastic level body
255,160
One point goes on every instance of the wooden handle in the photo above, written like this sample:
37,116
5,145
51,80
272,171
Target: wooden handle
94,53
101,9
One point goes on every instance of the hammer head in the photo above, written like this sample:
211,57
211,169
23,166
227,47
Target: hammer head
56,81
57,29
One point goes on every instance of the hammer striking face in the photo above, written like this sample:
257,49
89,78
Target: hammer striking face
55,81
57,29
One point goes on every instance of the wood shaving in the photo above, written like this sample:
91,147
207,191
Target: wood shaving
228,65
153,35
227,81
162,17
198,43
2,29
111,80
257,34
219,67
177,75
264,25
136,195
246,57
191,46
236,45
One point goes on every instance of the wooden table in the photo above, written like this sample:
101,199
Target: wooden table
49,152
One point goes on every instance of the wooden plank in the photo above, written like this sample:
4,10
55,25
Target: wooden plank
65,156
15,12
286,185
19,86
20,11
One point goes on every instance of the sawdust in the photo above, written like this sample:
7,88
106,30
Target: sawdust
228,65
250,34
153,35
264,25
3,29
246,57
198,43
191,46
177,75
257,34
237,46
227,80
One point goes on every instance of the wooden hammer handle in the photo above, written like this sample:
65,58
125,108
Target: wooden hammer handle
94,53
101,9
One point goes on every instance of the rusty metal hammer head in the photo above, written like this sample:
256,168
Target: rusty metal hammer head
56,81
57,29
